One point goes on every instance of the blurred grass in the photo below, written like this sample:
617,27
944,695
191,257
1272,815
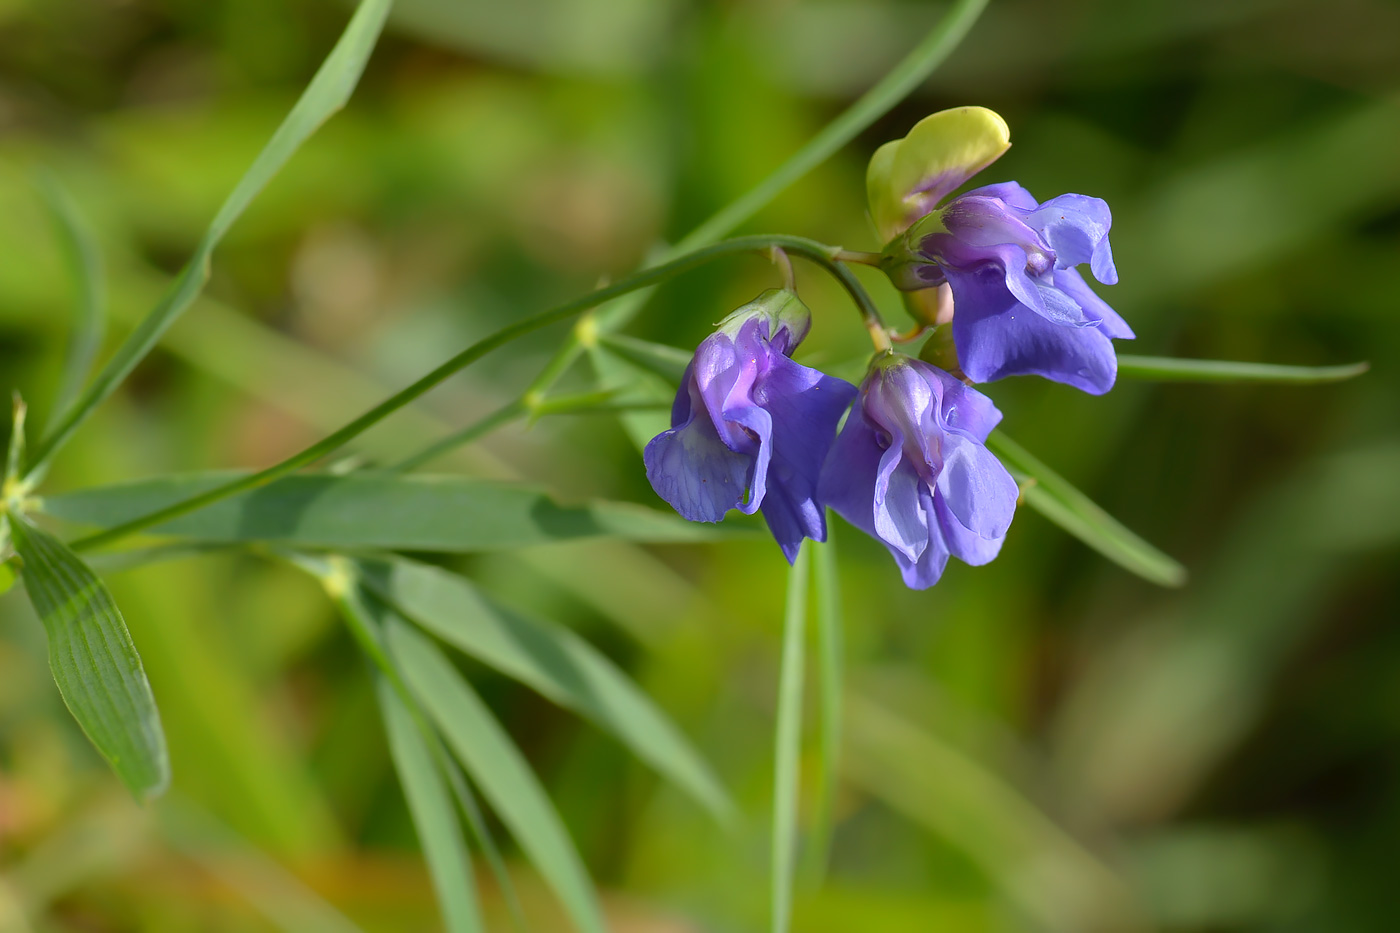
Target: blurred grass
1206,749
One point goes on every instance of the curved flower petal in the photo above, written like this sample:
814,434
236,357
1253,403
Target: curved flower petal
997,336
804,406
847,480
691,468
965,410
1076,227
900,519
928,569
1011,192
967,547
1110,322
977,490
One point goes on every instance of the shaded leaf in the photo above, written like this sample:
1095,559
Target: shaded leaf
550,659
94,661
394,512
430,805
497,767
787,744
1052,496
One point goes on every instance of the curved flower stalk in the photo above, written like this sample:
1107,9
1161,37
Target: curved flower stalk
910,469
750,428
1019,305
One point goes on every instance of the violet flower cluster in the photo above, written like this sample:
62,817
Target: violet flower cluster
753,430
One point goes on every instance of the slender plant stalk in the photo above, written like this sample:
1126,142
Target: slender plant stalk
328,91
830,655
788,742
897,84
800,246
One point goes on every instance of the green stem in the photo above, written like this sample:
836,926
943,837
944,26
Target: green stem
503,415
788,742
809,249
897,84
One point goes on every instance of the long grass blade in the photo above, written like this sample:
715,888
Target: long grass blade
93,660
430,805
328,91
788,741
1170,369
497,767
1054,497
84,262
550,659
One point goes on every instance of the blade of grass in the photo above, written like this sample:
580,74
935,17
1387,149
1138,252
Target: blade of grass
830,651
84,261
1054,497
328,91
93,660
1170,369
433,816
788,741
497,767
550,659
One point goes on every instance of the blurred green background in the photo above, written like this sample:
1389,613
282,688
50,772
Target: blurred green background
1046,743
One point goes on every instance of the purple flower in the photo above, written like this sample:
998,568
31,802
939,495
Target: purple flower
1020,307
910,469
750,428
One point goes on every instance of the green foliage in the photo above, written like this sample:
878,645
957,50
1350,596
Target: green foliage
366,510
93,660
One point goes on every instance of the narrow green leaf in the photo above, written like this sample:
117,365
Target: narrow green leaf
830,673
433,816
93,660
84,261
550,659
665,361
788,741
1169,369
1052,496
384,511
8,575
327,93
497,767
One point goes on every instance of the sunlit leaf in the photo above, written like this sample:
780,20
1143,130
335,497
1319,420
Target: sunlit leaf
497,767
328,91
94,661
430,805
422,513
550,659
665,361
1170,369
1052,496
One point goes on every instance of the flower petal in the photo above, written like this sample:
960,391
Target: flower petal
805,406
1076,227
691,468
976,489
908,178
1110,322
964,410
847,479
924,572
900,519
997,336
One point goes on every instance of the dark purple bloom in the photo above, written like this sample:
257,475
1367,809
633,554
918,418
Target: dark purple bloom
750,428
910,469
1020,307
